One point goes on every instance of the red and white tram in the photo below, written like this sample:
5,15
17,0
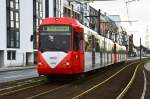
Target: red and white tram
67,47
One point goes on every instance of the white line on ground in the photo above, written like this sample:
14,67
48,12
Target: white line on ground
145,83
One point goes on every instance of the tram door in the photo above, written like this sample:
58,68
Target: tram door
115,53
93,51
78,52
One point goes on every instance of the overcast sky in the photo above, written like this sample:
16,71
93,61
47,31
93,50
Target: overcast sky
138,10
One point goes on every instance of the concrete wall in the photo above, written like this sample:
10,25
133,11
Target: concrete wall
51,8
26,25
3,25
43,8
1,58
20,59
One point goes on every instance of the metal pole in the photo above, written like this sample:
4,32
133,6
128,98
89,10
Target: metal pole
55,9
140,48
46,8
99,21
72,11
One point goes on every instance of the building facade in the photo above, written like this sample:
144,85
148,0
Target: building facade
93,21
16,22
130,45
68,8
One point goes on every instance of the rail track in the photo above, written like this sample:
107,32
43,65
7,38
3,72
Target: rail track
120,96
15,86
32,87
124,89
105,81
19,82
84,88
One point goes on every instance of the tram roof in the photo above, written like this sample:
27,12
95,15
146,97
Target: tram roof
61,20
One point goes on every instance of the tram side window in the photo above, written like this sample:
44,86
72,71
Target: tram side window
81,41
88,43
97,47
77,41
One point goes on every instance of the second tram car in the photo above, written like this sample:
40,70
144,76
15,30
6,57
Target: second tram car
67,47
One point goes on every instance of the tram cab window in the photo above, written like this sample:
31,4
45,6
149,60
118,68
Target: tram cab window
78,39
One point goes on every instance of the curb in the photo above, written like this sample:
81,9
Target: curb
16,68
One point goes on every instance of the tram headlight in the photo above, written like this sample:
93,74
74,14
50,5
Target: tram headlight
39,63
67,63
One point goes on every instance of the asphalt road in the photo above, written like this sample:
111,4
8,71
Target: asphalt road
17,75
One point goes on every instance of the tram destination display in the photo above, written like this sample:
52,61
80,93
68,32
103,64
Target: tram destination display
56,28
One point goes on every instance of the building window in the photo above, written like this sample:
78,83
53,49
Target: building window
67,12
11,4
13,24
11,55
11,15
17,4
17,17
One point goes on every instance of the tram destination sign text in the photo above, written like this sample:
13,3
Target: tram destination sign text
56,28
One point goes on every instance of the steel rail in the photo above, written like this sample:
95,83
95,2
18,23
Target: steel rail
121,95
17,90
11,92
103,82
46,92
15,86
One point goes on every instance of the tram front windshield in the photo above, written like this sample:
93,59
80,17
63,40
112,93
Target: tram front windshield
55,38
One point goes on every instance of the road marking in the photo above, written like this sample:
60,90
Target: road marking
13,76
145,83
94,87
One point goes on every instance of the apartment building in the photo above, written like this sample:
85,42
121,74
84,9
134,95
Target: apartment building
18,21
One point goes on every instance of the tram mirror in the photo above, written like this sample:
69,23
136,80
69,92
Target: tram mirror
31,38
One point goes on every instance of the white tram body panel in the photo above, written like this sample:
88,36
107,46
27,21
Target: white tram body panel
103,51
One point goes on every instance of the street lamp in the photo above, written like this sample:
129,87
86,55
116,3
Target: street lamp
140,48
127,2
